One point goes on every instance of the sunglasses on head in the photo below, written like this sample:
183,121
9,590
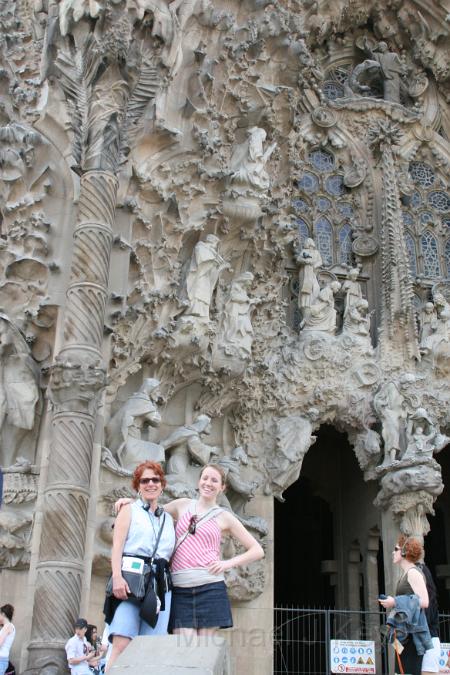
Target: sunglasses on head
192,524
397,548
146,481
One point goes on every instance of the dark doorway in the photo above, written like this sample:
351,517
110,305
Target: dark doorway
437,544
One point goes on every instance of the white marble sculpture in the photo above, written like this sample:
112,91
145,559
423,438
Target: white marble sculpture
428,326
125,430
352,290
237,336
321,315
424,439
310,261
357,321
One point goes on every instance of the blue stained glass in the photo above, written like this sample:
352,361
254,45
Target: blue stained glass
407,218
446,222
416,199
300,205
334,185
345,209
439,201
447,258
321,160
422,174
426,218
308,182
430,255
340,74
324,240
332,90
411,250
345,245
323,204
303,230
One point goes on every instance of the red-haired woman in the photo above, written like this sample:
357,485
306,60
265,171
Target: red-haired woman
407,552
142,531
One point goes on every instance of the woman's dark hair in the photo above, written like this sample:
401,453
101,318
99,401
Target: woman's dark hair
8,611
90,630
139,470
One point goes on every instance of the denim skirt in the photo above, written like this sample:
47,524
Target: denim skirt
204,606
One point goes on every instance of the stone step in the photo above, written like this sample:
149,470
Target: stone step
174,655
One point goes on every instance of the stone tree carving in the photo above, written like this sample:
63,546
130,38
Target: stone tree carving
94,53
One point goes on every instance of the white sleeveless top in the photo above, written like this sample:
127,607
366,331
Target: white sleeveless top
143,532
6,646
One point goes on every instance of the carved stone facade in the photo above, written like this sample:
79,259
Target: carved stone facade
223,225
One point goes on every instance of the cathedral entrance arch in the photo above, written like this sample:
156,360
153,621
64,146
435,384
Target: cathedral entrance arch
327,532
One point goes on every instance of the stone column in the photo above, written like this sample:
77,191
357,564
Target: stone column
372,590
77,378
353,588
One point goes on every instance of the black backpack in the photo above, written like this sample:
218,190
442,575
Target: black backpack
10,669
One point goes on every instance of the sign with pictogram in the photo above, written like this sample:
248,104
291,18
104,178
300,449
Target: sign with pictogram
352,656
444,658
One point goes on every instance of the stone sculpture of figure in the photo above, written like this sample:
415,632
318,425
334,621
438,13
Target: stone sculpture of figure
391,69
237,327
19,391
423,437
248,161
322,315
124,431
442,326
352,290
204,269
388,403
185,445
357,320
239,491
311,261
428,327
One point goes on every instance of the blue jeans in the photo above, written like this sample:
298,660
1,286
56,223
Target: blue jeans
3,666
127,622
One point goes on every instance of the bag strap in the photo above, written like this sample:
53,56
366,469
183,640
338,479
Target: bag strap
161,527
204,519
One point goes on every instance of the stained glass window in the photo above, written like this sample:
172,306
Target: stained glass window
345,245
323,204
324,240
407,218
303,230
439,200
332,90
422,174
345,209
411,249
334,185
416,199
308,182
426,218
300,205
430,255
321,160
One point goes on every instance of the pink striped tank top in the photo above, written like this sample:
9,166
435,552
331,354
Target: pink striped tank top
198,550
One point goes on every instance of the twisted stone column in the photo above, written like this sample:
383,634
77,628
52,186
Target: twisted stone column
77,379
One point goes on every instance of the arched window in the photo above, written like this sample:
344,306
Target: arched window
303,230
345,245
430,255
324,240
412,257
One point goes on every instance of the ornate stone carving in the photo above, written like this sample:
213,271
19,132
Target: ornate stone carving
237,332
185,445
321,315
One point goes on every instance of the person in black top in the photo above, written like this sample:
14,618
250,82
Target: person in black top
430,662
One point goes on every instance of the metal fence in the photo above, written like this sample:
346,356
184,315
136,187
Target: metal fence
302,638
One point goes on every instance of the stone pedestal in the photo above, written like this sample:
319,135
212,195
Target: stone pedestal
174,655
